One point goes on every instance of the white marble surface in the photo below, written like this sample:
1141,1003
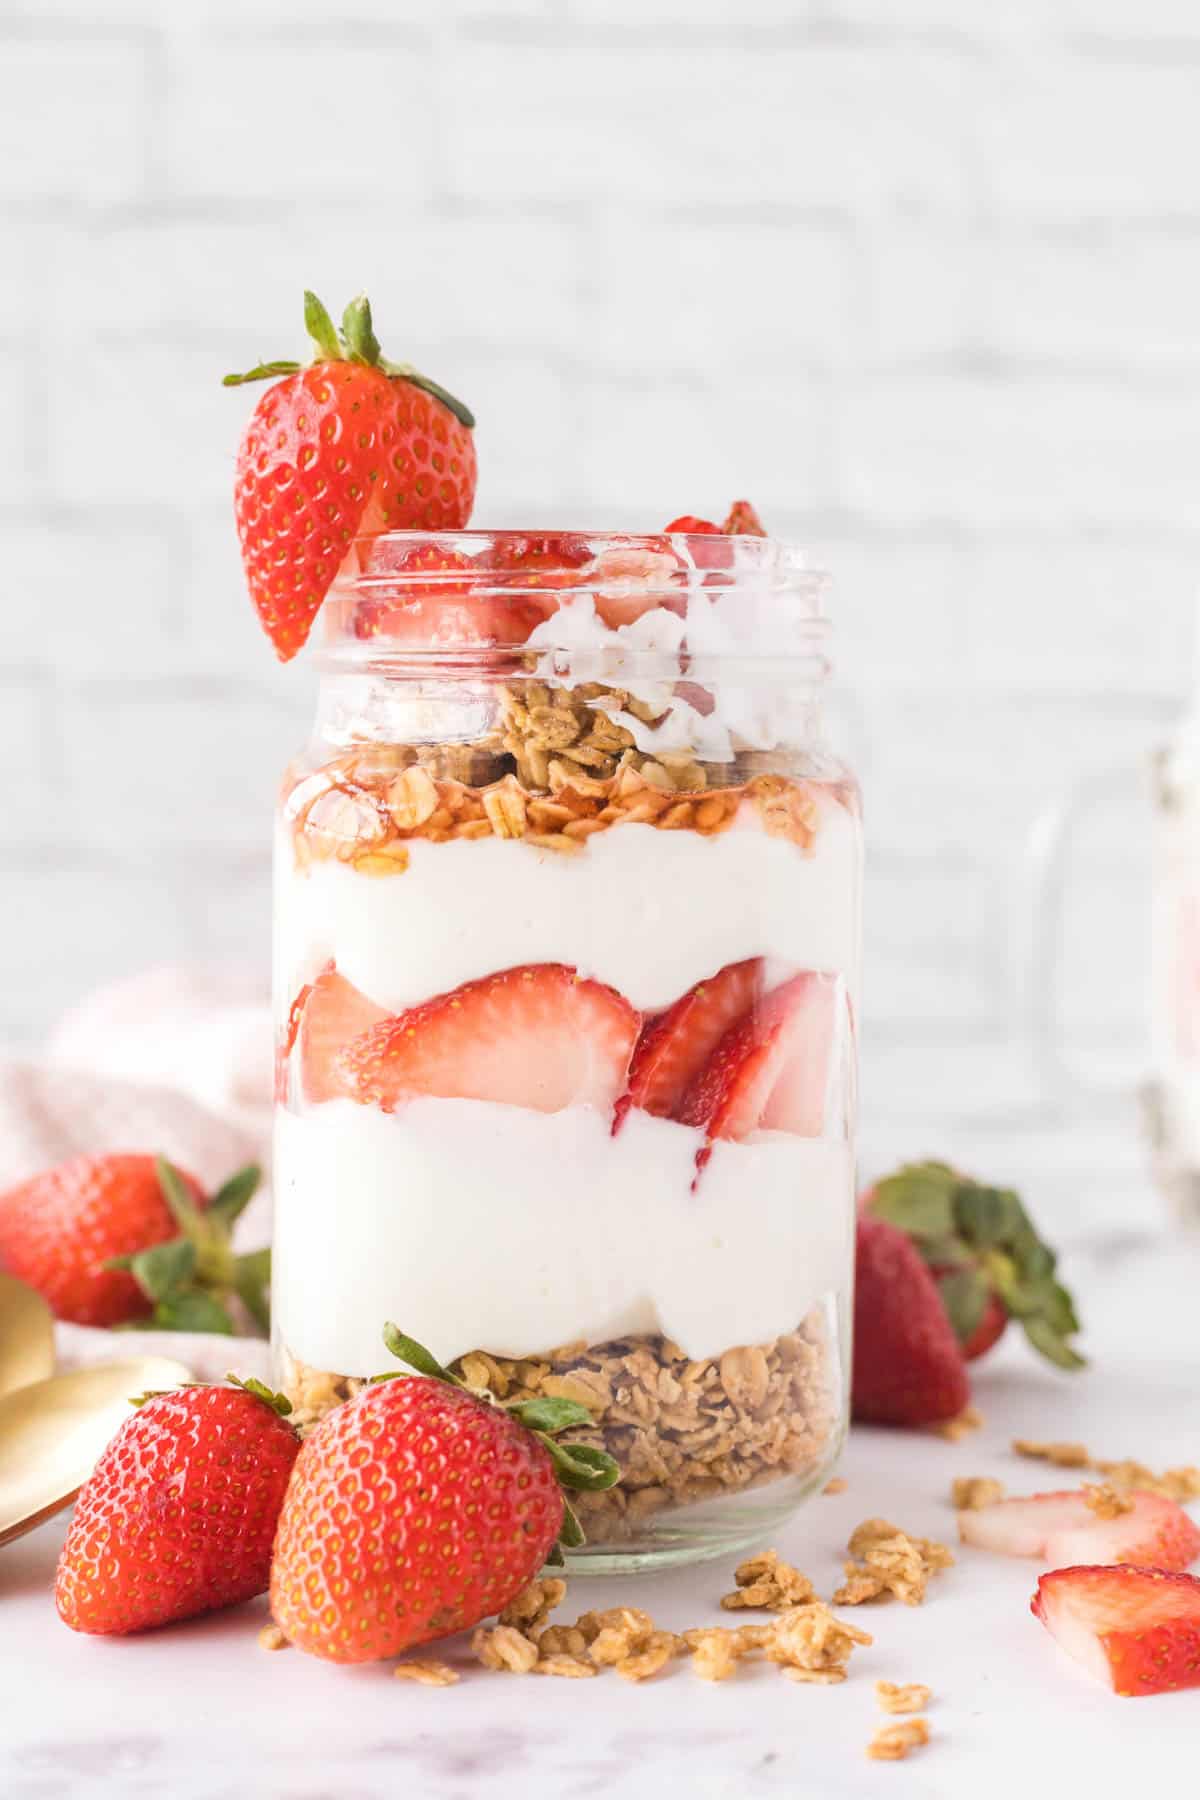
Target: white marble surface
199,1712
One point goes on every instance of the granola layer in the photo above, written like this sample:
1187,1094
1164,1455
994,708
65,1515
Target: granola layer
683,1430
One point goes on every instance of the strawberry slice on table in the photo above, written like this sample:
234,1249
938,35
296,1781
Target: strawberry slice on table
907,1365
674,1046
350,445
330,1014
539,1036
1136,1630
771,1068
1064,1528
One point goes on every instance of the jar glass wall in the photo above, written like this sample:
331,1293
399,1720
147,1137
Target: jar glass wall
567,944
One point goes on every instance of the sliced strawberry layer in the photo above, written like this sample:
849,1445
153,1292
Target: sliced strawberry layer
771,1069
539,1037
330,1014
438,611
1136,1630
674,1047
688,524
1062,1528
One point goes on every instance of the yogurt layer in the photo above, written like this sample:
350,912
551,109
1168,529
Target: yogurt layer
650,912
477,1226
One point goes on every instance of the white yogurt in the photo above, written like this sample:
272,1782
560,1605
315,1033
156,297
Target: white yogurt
474,1225
650,912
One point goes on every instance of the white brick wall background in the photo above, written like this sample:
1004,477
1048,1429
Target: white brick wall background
922,277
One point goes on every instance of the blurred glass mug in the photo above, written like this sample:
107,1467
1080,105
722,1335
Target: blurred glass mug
1167,784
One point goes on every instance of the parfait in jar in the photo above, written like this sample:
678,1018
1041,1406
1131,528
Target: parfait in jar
566,966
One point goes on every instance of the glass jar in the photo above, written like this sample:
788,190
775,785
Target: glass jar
567,957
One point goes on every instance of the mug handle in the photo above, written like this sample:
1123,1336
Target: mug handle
1040,927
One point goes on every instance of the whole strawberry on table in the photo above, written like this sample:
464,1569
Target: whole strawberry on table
412,1511
943,1263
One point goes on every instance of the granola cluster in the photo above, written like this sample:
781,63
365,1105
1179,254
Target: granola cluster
971,1492
366,806
891,1565
892,1743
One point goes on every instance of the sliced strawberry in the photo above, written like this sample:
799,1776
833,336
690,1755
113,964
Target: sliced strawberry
330,1014
771,1068
1136,1630
429,608
633,581
539,1036
689,524
674,1047
1062,1528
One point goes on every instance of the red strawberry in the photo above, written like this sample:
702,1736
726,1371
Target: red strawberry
1136,1630
99,1238
179,1514
771,1069
908,1369
986,1256
628,582
1063,1528
332,1015
688,524
349,446
674,1047
538,1036
417,1509
743,521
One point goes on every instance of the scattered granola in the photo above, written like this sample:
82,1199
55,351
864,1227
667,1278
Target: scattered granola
969,1492
892,1743
811,1644
427,1673
1105,1501
968,1420
836,1486
903,1697
767,1582
272,1638
573,1668
715,1653
892,1564
1182,1484
1064,1456
504,1647
534,1604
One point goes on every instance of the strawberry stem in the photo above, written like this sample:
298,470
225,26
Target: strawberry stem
356,342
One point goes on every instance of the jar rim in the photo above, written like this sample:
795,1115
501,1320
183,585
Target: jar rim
447,591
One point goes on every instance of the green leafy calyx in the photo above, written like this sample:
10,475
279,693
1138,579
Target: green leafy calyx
190,1279
355,342
981,1241
578,1466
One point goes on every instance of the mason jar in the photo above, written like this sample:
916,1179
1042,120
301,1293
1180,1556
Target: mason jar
567,952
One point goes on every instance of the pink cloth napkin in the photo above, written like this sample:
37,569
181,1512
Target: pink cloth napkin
177,1061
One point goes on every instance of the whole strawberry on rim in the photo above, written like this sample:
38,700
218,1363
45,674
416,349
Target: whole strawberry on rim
420,1507
350,446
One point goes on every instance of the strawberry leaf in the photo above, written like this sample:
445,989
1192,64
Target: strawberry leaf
570,1534
250,1384
964,1295
265,371
164,1269
320,329
547,1414
1052,1345
231,1200
251,1277
190,1311
919,1199
581,1465
407,1350
359,333
987,1216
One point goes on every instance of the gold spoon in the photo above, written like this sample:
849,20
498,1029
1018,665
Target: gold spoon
26,1335
52,1432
